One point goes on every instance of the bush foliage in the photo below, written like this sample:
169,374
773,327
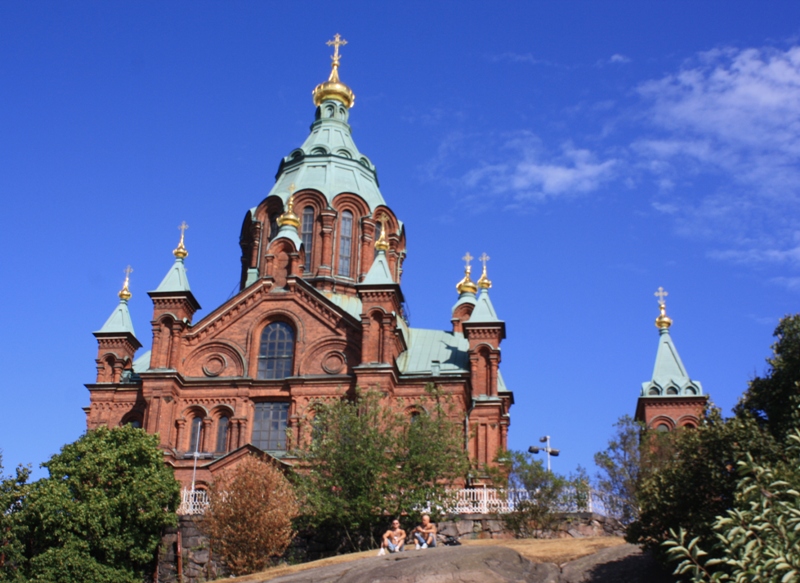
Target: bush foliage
367,460
97,518
249,519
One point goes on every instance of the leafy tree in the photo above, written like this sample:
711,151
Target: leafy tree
697,484
620,465
535,514
249,519
367,461
759,539
13,490
774,400
100,514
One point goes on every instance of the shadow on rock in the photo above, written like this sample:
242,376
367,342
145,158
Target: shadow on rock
622,564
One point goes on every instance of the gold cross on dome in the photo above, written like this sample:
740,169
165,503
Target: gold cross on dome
483,259
292,188
182,228
128,271
337,42
661,294
467,258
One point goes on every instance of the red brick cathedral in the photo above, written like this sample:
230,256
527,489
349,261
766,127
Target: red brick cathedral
319,312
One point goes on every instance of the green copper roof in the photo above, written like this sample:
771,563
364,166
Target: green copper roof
465,298
142,363
289,232
379,273
329,161
484,310
350,304
119,322
669,375
426,348
175,280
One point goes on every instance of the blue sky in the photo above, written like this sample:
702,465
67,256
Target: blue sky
594,150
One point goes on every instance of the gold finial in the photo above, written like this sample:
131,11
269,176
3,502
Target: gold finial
288,217
180,252
382,244
484,282
663,322
125,294
466,285
333,88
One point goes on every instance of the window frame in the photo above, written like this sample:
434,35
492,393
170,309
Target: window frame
282,360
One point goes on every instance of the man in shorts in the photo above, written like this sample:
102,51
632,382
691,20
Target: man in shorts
394,539
425,533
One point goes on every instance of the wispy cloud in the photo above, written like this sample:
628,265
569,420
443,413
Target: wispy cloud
732,115
526,171
528,58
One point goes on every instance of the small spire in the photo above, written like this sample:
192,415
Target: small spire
180,252
288,217
333,88
466,285
484,282
125,293
382,244
663,322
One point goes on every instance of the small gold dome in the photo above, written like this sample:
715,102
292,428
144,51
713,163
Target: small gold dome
484,282
125,294
663,321
466,285
180,251
289,218
333,88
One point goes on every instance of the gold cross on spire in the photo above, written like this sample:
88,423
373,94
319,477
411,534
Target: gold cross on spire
382,244
484,282
467,258
661,294
292,188
337,42
125,293
180,252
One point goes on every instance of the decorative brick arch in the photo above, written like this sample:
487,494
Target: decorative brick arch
217,358
655,422
257,330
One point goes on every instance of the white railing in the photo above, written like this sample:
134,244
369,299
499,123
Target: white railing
193,501
480,500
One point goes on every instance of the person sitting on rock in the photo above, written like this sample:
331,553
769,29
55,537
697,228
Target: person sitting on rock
425,533
394,539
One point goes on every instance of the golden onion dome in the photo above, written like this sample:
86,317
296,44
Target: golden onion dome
466,285
289,218
333,88
125,293
484,282
663,321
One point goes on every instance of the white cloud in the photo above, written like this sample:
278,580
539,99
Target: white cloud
618,58
727,145
530,174
521,58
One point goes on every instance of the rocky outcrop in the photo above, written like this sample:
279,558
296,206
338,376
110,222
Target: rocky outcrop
478,564
569,525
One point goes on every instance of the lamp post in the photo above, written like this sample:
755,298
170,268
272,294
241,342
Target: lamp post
547,449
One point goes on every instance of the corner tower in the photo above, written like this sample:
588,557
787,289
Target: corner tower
670,398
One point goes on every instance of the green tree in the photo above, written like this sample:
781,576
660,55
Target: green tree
759,539
13,490
367,461
697,483
774,399
620,465
98,517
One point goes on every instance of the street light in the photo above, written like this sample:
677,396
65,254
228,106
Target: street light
547,449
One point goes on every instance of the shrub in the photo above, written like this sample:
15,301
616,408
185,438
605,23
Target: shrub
249,519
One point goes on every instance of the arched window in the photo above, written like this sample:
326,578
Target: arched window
196,436
345,243
273,225
222,434
307,232
672,391
654,391
277,349
134,422
662,427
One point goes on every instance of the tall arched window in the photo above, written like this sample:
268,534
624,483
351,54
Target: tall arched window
276,351
345,243
196,436
222,434
307,233
273,225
